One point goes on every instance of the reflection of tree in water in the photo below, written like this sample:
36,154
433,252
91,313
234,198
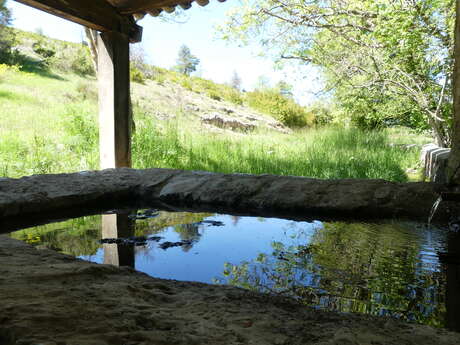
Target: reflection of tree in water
189,233
80,236
76,237
350,268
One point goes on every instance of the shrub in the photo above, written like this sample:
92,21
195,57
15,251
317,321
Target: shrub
158,74
137,75
281,108
80,62
42,50
186,83
323,115
7,42
81,128
213,94
70,57
6,70
233,96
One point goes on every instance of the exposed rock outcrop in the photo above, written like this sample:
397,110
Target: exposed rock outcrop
222,121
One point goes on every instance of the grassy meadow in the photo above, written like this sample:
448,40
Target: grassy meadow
49,125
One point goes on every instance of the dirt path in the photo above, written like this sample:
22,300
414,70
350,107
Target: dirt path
53,299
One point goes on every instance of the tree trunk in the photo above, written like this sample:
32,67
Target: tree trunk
454,160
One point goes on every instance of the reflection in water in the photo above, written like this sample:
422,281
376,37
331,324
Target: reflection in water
118,225
189,234
389,269
382,270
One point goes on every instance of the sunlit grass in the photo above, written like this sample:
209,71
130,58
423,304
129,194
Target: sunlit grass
49,125
322,153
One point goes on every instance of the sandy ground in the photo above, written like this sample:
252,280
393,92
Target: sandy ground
49,298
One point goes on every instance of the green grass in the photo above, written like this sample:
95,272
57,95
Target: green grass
37,126
49,125
322,153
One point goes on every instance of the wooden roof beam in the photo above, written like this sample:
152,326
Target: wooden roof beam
95,14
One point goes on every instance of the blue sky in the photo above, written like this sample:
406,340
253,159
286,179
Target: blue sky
161,42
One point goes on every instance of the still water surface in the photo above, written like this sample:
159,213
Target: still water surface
391,268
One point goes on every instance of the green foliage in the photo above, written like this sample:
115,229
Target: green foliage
55,54
285,110
186,83
5,14
140,70
137,75
186,61
159,75
43,51
81,127
59,134
80,238
323,114
324,153
233,96
6,70
384,62
80,61
7,35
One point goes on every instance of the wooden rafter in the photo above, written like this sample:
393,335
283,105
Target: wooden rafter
111,15
95,14
136,6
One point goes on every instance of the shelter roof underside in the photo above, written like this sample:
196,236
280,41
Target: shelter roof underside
140,8
111,15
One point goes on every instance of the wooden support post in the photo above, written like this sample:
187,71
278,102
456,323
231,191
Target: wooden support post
454,158
114,100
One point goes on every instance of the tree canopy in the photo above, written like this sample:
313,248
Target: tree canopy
186,61
383,61
6,35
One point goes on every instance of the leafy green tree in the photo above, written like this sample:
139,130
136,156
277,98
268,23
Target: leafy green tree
7,37
186,61
382,60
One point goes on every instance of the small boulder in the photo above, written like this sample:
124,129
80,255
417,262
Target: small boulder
222,121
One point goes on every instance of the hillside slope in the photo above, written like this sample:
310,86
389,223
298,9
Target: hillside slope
167,100
49,124
163,97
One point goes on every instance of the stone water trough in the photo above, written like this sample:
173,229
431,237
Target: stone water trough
29,199
51,298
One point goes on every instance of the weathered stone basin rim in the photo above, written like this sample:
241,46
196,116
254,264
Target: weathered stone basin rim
32,198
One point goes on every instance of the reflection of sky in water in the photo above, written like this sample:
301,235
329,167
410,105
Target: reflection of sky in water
233,242
391,268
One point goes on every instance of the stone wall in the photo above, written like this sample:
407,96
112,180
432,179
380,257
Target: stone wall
434,161
44,197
